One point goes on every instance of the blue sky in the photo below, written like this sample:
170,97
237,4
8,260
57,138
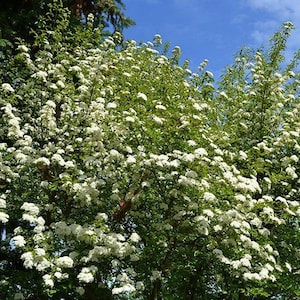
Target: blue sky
212,29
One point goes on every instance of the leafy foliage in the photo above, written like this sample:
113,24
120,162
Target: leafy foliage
125,175
18,18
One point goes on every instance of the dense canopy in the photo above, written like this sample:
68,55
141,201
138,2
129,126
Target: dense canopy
124,175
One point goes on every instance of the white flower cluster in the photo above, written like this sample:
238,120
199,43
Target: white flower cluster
4,217
36,259
87,274
106,136
14,129
7,88
104,244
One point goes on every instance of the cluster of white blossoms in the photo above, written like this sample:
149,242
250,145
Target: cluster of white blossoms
3,216
116,160
87,274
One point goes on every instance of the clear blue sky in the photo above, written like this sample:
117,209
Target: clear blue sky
212,29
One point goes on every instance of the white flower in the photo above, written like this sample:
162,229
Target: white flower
134,237
223,94
209,74
159,106
83,89
246,225
218,228
30,208
102,217
85,275
188,157
142,96
268,211
219,152
288,266
255,246
7,88
295,158
47,280
176,51
264,273
256,222
191,143
19,241
235,224
183,180
58,274
269,267
43,161
200,152
243,155
57,158
158,120
40,75
191,174
43,264
131,159
90,18
27,257
117,290
29,218
269,248
51,104
111,105
20,157
60,84
3,217
245,262
240,198
251,276
23,48
65,262
197,106
209,197
75,69
162,59
125,288
291,172
129,119
157,39
174,163
208,213
39,251
2,203
14,122
69,164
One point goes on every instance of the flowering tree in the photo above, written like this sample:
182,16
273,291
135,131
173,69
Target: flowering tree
124,175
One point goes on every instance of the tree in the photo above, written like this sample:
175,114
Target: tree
125,175
19,18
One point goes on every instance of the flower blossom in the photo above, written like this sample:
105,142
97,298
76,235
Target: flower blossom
65,262
3,217
19,241
7,88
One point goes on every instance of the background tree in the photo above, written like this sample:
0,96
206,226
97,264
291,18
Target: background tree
18,18
125,175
